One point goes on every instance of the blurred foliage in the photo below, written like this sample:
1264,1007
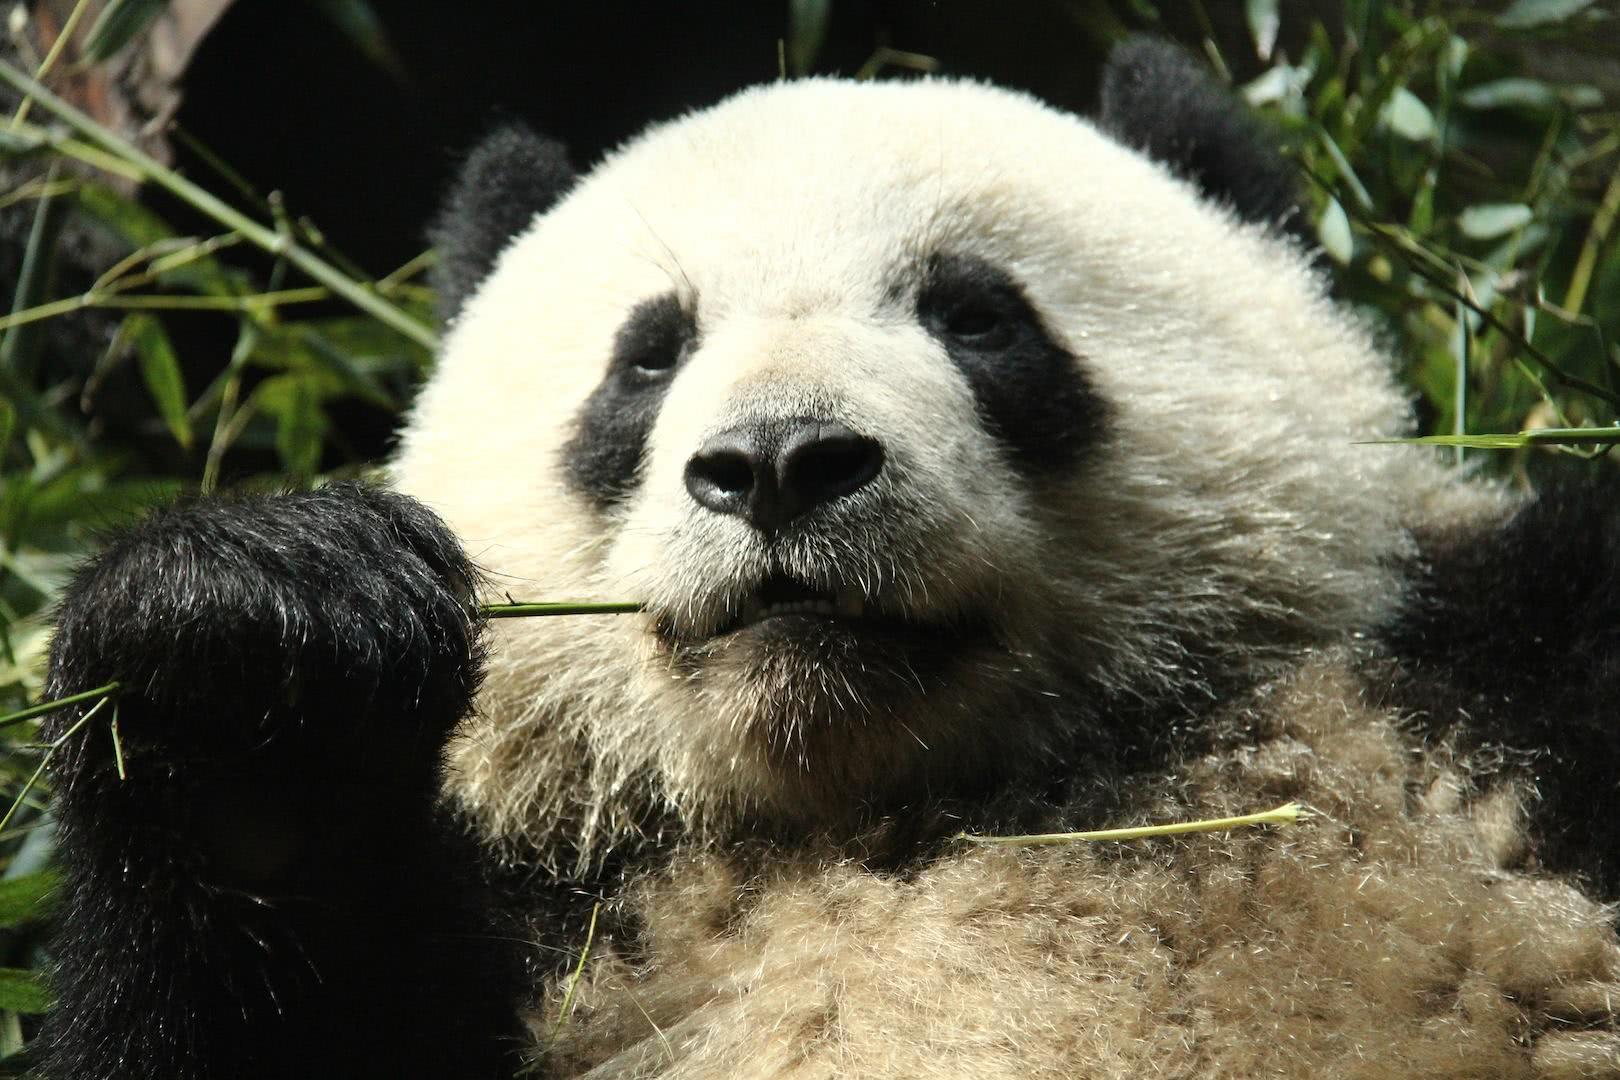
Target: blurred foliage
1469,207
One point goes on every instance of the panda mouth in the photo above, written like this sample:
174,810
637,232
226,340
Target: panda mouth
781,596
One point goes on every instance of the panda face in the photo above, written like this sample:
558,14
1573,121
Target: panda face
926,421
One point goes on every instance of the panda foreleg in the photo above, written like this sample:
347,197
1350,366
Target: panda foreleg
1509,648
272,890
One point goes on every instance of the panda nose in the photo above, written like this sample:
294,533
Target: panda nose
771,473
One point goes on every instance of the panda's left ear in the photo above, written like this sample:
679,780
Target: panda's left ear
511,176
1159,99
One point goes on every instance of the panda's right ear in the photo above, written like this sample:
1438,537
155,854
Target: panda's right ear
509,178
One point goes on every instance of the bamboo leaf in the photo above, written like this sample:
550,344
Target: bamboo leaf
1408,117
24,899
160,368
1525,14
1263,25
117,26
1334,231
1508,94
295,402
1488,220
357,20
23,992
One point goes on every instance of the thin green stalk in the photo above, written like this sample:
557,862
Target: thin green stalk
268,239
60,703
522,611
1602,221
62,38
1287,814
1516,440
37,189
567,1008
119,302
118,744
50,752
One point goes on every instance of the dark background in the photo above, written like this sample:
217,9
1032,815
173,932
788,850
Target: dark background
363,144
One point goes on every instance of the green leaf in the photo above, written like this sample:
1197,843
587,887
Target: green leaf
1524,14
1263,24
24,899
8,421
357,20
295,401
23,991
1279,84
1512,93
117,26
1456,56
1581,96
1334,231
1488,220
160,367
1407,116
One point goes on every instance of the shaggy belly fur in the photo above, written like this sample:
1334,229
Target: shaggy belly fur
1397,933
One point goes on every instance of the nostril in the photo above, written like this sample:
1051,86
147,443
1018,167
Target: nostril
727,472
730,473
829,461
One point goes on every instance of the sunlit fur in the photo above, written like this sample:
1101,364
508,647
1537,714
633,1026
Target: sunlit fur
1208,579
1229,516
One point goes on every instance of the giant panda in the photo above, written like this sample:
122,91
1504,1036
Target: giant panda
981,469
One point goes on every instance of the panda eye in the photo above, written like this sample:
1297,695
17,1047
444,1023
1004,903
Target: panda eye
659,361
969,304
654,340
973,322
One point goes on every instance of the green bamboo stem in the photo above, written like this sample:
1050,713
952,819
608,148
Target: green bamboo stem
60,703
1287,814
521,611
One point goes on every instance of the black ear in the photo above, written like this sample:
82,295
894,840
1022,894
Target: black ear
510,176
1158,99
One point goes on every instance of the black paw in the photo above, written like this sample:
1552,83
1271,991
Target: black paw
305,627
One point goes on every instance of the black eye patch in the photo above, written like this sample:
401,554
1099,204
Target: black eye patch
1031,392
603,457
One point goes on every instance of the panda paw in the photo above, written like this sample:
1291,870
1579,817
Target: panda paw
296,629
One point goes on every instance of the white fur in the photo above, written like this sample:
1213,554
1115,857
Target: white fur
1229,529
1231,506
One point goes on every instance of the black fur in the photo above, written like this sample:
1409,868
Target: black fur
1031,393
272,892
1510,644
509,178
603,458
1158,99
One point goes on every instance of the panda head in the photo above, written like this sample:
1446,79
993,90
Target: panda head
945,435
